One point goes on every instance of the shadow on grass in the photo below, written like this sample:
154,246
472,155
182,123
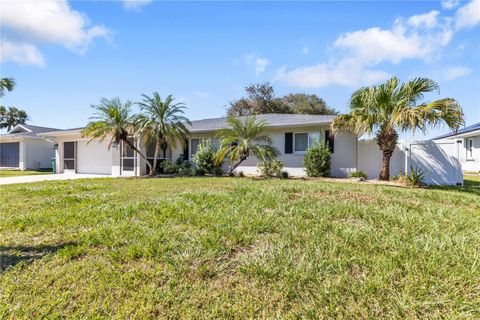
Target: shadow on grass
469,186
13,255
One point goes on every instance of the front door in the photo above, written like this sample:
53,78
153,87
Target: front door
69,156
128,160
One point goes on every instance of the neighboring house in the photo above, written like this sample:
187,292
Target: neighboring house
468,139
22,148
292,135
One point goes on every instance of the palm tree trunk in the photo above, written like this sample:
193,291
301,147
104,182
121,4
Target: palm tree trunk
157,149
138,151
235,165
387,139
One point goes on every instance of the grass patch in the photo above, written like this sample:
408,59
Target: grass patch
238,248
16,173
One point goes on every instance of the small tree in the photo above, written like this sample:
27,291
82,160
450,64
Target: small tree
245,138
317,160
112,120
204,158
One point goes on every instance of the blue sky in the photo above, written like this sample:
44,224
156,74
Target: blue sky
65,56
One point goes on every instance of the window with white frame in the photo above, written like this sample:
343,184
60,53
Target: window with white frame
303,140
469,147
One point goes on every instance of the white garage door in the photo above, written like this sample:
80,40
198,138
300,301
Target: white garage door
94,158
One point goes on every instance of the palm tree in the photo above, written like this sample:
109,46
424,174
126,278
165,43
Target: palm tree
112,119
393,106
12,116
6,83
244,138
163,123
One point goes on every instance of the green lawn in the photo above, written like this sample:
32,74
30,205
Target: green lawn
238,248
15,173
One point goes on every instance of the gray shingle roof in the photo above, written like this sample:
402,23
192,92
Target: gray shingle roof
34,130
272,119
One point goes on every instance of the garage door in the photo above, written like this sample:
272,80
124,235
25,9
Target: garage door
94,158
9,154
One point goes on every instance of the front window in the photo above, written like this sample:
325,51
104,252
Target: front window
469,149
300,142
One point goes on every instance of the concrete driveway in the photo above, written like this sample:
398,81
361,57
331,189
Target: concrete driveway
49,177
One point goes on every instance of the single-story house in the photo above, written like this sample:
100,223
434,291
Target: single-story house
292,134
468,139
22,148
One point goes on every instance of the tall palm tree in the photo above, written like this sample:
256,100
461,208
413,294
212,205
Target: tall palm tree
12,116
6,83
244,138
112,120
163,123
393,106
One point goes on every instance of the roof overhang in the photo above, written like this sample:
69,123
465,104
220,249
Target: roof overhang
62,133
473,133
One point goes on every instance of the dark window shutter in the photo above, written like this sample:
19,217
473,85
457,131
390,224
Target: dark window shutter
185,149
288,142
330,140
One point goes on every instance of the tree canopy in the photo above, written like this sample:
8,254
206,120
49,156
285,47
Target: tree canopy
261,99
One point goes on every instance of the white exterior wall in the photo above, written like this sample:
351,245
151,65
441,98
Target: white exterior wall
343,158
93,157
370,159
439,160
468,164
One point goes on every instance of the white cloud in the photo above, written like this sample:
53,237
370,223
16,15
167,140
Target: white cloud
452,73
427,20
259,64
450,4
32,22
355,54
21,53
468,16
135,5
346,73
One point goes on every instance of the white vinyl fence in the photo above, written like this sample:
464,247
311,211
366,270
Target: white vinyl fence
437,159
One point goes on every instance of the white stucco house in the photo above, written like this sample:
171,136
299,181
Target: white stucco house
468,140
22,148
292,134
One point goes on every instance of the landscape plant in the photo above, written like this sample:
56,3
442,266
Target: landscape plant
246,137
204,158
317,160
113,120
161,122
271,168
386,109
358,174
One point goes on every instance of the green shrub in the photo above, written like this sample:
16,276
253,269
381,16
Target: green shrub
169,167
270,168
284,174
204,158
180,166
358,174
218,171
317,161
415,178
